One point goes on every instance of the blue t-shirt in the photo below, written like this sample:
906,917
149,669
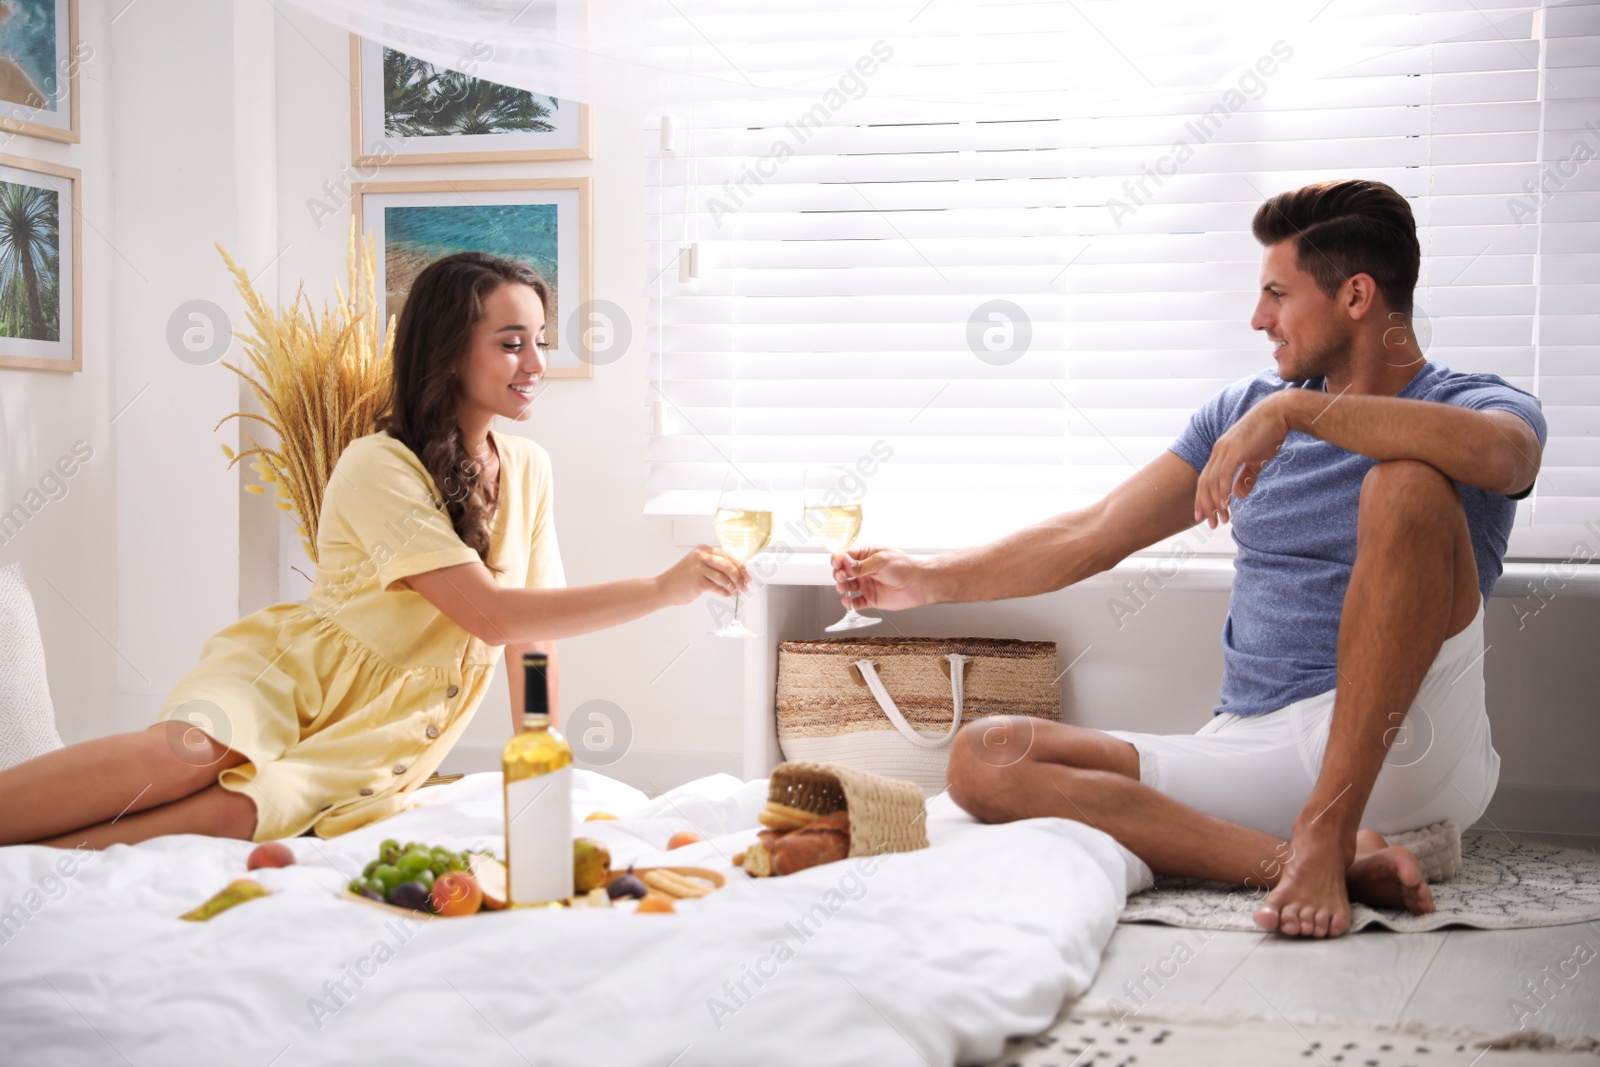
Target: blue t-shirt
1296,536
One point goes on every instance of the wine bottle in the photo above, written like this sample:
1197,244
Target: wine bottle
537,763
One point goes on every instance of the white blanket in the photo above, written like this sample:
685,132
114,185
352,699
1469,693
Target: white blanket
924,958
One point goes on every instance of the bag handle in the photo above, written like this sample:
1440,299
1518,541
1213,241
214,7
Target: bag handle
869,674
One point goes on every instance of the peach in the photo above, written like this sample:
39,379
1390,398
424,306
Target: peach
684,837
271,854
456,893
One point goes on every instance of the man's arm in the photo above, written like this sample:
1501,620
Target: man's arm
1494,450
514,680
1155,503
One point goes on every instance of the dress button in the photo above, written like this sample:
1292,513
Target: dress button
399,768
367,792
432,731
452,691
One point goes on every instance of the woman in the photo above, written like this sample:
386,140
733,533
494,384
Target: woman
435,548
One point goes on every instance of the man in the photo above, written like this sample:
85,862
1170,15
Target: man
1371,494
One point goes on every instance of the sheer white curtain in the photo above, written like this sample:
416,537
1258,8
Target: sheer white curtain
1008,245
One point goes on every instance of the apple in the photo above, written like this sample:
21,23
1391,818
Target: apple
271,854
490,874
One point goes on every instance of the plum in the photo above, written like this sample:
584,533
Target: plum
413,895
627,885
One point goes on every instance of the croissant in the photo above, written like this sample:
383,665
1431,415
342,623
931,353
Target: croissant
822,840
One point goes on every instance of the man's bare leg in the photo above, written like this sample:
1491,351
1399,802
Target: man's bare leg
1415,582
1013,767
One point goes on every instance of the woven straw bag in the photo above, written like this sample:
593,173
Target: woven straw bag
885,815
892,705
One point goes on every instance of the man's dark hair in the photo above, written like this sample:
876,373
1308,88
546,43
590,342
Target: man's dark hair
1344,228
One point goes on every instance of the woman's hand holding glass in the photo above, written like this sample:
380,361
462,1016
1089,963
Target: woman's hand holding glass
703,570
744,526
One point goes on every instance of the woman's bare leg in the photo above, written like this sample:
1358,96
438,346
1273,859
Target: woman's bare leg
213,811
108,778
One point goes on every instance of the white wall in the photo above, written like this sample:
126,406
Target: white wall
192,165
156,547
676,685
68,547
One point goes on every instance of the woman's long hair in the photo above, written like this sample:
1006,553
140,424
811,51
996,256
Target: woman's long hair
431,341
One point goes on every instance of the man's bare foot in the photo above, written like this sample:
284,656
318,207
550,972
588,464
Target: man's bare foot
1368,841
1310,899
1389,878
1381,877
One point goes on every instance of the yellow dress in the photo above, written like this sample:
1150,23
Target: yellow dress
346,703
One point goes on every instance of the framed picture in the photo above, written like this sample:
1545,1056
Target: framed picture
545,222
41,274
39,57
406,110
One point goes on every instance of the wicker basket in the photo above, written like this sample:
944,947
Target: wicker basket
885,815
892,705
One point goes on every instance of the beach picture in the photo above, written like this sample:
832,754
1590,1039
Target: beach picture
40,310
542,222
405,109
416,236
38,71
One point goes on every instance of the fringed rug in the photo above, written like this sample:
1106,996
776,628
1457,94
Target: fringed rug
1503,885
1107,1033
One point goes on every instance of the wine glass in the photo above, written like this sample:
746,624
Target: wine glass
744,526
834,519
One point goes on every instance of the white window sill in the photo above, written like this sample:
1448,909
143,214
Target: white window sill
1214,574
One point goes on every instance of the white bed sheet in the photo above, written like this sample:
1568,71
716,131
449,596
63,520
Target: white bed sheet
925,958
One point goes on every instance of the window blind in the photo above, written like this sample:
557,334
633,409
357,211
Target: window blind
1021,297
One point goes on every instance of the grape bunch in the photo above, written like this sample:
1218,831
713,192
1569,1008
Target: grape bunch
403,875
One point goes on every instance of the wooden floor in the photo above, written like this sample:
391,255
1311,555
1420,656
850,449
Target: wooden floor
1472,977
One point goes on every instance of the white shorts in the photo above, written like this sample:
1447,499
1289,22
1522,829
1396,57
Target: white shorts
1258,770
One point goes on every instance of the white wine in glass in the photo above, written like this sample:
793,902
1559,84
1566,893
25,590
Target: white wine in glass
744,526
743,533
835,525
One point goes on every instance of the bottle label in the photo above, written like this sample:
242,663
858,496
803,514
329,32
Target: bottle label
539,838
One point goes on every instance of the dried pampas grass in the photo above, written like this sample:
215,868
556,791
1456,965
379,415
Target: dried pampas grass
322,380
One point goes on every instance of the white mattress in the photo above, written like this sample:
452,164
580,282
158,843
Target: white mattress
928,958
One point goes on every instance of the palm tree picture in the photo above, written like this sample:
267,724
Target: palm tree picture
422,100
30,262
